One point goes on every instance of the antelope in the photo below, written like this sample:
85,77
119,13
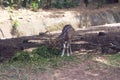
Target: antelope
65,38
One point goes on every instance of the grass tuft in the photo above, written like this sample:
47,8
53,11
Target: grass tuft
114,60
43,57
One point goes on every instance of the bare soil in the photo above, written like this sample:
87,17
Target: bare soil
88,70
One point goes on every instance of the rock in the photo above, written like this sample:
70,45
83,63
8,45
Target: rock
101,34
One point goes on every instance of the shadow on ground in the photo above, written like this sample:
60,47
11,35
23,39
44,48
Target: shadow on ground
96,39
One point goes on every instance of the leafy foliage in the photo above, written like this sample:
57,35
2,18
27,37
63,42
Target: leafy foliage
34,6
58,4
14,30
50,3
69,4
42,56
15,24
47,52
25,56
66,4
41,52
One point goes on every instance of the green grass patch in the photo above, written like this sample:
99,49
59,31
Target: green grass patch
24,65
108,59
114,60
43,57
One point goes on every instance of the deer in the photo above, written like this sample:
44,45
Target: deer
65,39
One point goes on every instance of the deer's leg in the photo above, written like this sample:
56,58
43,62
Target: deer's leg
68,47
63,51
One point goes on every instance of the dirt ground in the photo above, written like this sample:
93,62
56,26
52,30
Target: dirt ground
81,72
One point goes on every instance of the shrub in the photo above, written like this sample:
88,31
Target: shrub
69,4
25,56
47,52
14,30
34,6
42,57
15,24
65,4
37,54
